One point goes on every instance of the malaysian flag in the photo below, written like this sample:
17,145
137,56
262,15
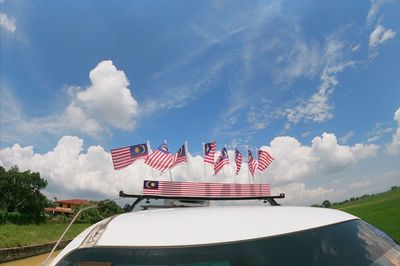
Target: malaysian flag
180,156
201,189
160,159
209,151
251,163
221,161
122,157
238,160
264,160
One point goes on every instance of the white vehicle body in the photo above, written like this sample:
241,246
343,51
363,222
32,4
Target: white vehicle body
202,226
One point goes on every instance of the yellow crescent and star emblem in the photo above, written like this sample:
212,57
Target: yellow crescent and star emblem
138,150
150,184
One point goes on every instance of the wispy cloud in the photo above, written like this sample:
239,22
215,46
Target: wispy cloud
380,35
380,129
317,108
344,139
7,23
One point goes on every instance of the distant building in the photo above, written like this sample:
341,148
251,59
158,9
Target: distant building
65,206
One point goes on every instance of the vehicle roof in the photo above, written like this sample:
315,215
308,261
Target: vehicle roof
203,225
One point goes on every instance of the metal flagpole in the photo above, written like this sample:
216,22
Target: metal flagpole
259,174
223,168
234,162
187,158
150,151
204,164
169,169
248,166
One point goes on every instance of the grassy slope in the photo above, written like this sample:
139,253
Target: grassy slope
381,210
12,235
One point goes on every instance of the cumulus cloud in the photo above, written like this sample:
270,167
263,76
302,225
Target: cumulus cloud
71,170
394,146
7,23
296,193
380,35
295,161
109,99
106,104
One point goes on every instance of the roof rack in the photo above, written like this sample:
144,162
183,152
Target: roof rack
139,198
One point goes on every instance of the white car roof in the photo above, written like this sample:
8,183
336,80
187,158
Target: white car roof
203,225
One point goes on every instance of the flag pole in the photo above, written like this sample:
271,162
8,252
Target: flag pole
248,166
187,158
150,151
169,169
234,163
259,174
204,164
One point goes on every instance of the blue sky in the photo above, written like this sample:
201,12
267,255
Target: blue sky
315,83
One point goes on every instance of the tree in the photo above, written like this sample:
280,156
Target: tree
108,208
104,209
20,192
326,204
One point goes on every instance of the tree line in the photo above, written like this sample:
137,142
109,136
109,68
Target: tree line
22,202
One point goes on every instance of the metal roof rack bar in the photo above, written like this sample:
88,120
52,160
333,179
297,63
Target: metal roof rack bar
269,199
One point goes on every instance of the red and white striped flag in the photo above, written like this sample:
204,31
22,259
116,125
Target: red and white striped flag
251,163
238,160
222,160
264,160
180,156
209,151
161,159
194,189
122,157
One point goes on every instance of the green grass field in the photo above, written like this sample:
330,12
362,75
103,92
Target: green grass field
381,210
12,235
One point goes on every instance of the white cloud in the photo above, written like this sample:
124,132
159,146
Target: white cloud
7,23
374,10
380,129
106,104
356,48
297,194
109,99
295,161
317,107
72,170
344,139
380,35
394,146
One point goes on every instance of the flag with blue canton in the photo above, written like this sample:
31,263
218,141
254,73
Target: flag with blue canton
160,159
209,151
122,157
251,162
180,156
139,151
221,161
238,160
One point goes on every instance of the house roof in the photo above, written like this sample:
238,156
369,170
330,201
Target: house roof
73,201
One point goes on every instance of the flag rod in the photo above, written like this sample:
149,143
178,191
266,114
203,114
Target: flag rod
248,166
234,162
204,164
169,169
150,151
187,158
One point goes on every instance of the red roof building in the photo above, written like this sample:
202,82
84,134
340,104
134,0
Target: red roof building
65,206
